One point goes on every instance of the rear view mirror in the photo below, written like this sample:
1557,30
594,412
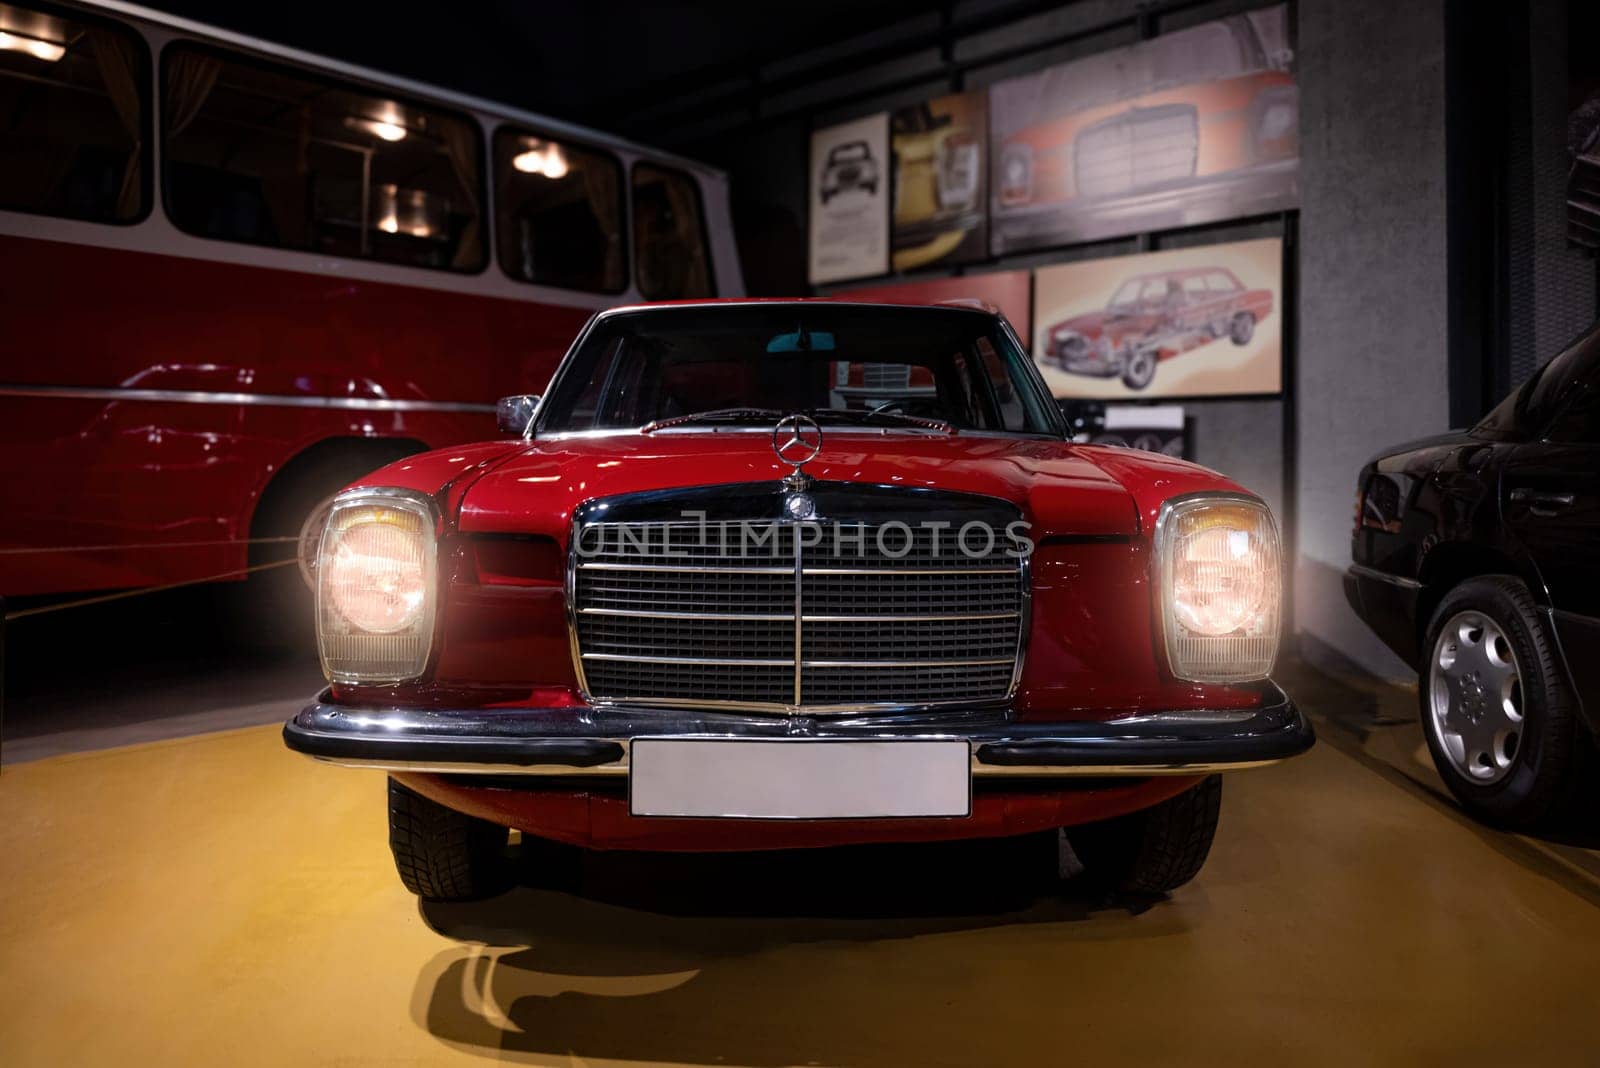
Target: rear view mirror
514,415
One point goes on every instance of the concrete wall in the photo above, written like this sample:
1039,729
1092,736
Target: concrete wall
1372,331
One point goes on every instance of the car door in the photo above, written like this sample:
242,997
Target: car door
1550,501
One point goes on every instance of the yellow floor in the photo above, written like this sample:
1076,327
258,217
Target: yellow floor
215,900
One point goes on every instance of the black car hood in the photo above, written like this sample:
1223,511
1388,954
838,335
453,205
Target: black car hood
1433,441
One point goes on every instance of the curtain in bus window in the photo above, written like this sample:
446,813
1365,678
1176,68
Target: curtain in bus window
461,145
669,235
118,57
72,116
190,77
605,200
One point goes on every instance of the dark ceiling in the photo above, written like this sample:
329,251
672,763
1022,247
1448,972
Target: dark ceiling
586,62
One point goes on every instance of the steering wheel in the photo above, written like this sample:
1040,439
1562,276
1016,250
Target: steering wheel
887,406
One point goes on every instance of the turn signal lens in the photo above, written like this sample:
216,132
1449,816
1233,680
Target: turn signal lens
1220,587
375,587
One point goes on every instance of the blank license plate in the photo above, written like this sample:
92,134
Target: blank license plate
798,780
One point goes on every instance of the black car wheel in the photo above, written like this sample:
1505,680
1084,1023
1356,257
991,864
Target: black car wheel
442,854
1499,718
1153,851
1242,329
1140,370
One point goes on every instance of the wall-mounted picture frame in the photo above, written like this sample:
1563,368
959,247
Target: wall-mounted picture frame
1204,321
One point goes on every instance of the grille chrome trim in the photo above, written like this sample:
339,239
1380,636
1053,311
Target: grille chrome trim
614,678
629,613
631,658
703,569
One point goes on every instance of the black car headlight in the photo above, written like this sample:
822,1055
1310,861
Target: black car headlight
1220,585
377,588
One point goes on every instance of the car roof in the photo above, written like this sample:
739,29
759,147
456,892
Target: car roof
972,306
1181,272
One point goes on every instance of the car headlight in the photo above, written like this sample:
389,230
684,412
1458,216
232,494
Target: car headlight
1220,587
376,586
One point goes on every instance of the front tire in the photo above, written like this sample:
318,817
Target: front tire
1499,718
442,854
1242,328
1156,850
1140,370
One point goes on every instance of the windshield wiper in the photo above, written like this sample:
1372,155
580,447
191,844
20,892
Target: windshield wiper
716,415
852,415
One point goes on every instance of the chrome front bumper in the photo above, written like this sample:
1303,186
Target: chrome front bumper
586,741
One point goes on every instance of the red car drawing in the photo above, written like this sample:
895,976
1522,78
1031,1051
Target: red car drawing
1153,317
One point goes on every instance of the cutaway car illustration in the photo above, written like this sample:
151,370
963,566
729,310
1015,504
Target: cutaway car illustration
1474,560
850,166
1153,317
707,601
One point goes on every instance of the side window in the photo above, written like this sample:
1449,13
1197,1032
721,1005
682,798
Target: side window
1579,422
1220,283
73,117
273,156
1195,287
558,213
669,235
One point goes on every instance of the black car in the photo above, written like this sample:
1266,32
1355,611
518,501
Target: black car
1477,559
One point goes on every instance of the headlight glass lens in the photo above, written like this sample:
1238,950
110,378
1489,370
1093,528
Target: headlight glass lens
376,588
1220,588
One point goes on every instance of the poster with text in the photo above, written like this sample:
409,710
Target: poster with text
850,182
1191,127
1191,322
941,189
1010,291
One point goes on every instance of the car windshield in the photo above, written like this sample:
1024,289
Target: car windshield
850,153
1528,409
739,364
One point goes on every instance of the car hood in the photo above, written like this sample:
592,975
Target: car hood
1428,444
1061,488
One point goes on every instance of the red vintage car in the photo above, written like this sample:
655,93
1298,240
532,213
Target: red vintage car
705,601
1153,317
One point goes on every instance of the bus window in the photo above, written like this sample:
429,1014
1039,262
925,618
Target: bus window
559,213
73,117
669,235
267,155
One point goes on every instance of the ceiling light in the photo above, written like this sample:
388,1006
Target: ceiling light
38,48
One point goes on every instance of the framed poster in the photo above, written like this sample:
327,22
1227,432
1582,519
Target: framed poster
1010,291
850,184
1190,322
1190,127
941,186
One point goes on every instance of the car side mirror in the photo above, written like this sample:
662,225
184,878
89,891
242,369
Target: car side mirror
514,415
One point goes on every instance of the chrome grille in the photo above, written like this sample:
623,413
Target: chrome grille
692,612
1136,150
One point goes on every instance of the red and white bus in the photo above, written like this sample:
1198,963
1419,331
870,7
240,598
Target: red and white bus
234,276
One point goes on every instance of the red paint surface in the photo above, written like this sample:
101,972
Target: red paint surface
138,476
601,820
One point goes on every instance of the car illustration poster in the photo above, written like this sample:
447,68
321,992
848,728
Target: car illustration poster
850,178
1190,127
1190,322
1010,291
941,189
